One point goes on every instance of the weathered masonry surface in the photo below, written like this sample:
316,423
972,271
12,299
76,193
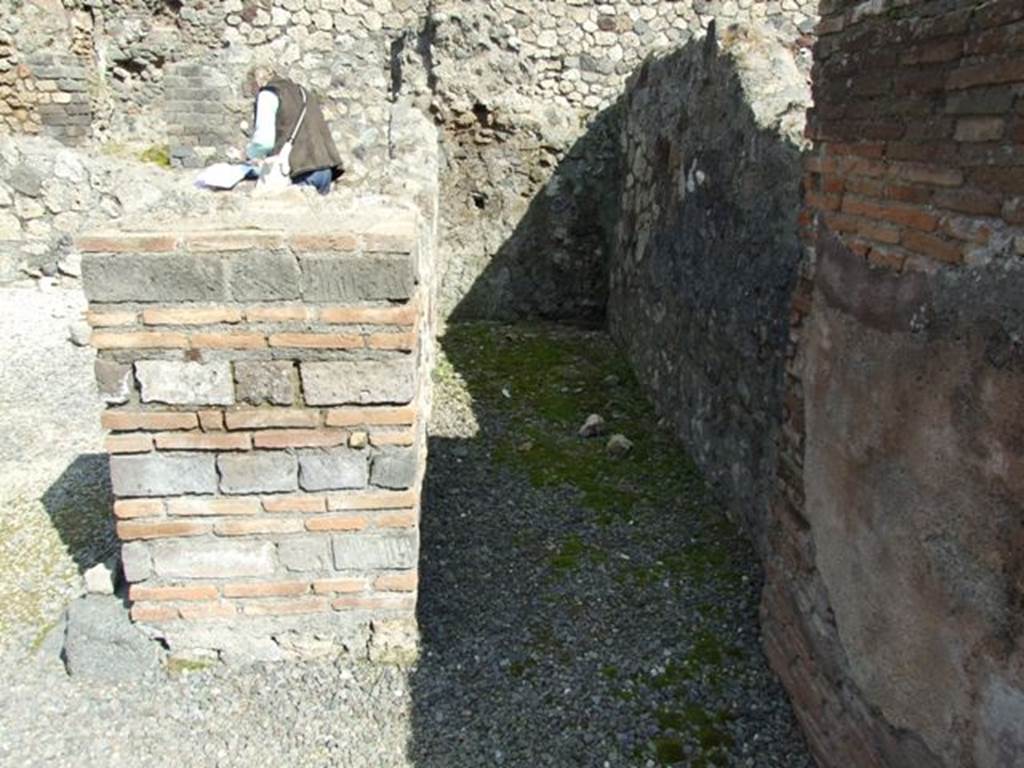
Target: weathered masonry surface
267,380
523,92
708,249
893,603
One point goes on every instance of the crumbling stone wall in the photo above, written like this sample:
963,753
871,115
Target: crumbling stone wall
524,94
50,192
44,87
527,97
267,372
708,249
892,608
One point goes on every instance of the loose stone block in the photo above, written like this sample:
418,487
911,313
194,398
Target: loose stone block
333,278
261,472
264,382
209,560
162,475
306,554
175,383
153,277
361,552
333,470
25,180
135,561
369,382
394,469
264,277
114,381
101,645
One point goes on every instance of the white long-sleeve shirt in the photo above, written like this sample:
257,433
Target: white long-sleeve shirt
264,134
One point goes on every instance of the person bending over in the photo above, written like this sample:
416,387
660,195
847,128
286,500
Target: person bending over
285,111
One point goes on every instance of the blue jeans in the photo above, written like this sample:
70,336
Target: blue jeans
320,179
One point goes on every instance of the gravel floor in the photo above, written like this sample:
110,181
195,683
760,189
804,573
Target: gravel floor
596,619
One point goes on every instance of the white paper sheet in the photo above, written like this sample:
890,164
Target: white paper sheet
222,175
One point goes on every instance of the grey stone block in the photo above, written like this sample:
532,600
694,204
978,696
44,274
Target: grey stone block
212,559
263,276
114,381
366,382
361,552
102,644
71,85
185,383
162,475
264,382
135,561
334,278
394,468
25,180
333,470
259,472
153,277
300,555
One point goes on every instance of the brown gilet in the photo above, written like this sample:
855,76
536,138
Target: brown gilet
314,147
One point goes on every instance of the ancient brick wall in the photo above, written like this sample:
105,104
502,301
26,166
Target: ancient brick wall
46,93
267,378
893,594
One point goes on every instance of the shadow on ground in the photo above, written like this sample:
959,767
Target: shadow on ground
79,504
579,609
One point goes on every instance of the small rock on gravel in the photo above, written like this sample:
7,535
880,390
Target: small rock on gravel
593,426
619,445
79,332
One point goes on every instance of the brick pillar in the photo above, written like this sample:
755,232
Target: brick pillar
267,441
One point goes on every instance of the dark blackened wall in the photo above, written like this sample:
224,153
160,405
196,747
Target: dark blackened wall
708,249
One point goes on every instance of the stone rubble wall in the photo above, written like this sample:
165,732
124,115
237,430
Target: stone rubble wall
708,249
892,605
527,96
268,389
45,68
50,192
524,95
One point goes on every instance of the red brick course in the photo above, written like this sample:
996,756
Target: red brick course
917,163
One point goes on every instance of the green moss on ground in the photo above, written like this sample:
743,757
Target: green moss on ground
543,382
548,380
159,154
182,666
693,725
